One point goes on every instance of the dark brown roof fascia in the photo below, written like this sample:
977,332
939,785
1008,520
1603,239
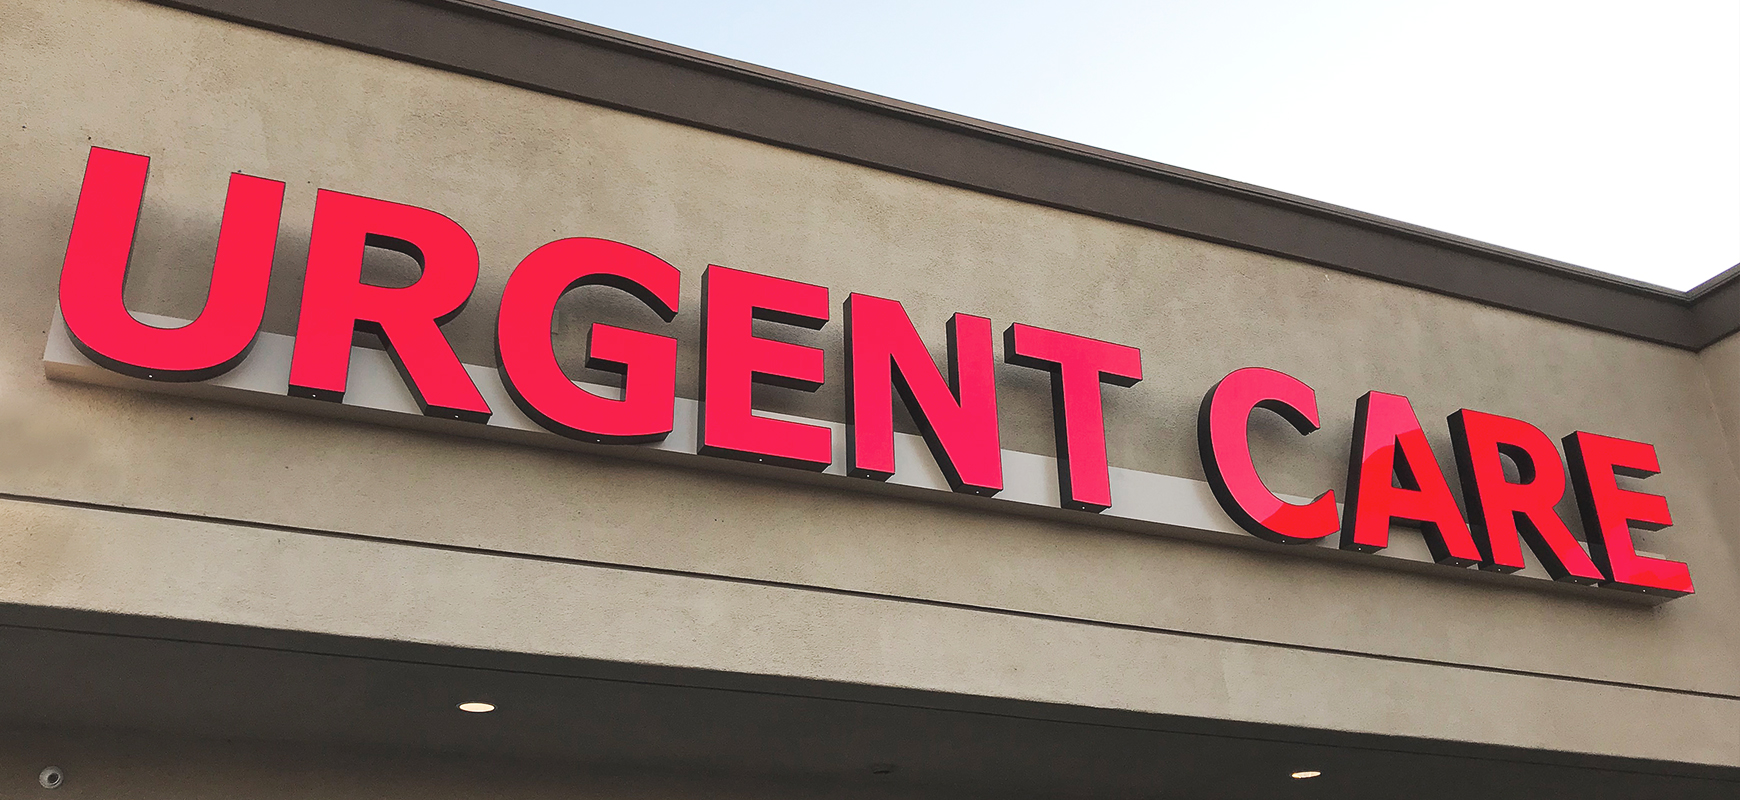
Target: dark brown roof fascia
1715,306
549,54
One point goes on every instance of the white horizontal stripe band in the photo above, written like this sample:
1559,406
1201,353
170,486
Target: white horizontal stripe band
1145,502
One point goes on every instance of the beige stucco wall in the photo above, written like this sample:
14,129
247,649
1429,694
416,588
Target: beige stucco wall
1455,660
1721,363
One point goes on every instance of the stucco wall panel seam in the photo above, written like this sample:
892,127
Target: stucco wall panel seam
858,594
101,561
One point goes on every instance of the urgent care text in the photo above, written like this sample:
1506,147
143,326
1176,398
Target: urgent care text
1393,477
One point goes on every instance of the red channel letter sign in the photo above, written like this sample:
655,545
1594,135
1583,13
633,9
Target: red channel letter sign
1512,477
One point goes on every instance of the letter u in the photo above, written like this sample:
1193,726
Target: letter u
95,273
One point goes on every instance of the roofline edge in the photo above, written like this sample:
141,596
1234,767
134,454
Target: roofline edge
541,52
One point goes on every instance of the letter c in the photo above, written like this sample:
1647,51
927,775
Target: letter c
1223,436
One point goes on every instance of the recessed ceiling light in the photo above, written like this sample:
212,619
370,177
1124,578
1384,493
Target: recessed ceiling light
1307,774
476,708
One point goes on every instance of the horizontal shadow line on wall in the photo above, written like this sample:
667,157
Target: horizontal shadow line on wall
855,593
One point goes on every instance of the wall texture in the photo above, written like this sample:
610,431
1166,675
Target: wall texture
703,570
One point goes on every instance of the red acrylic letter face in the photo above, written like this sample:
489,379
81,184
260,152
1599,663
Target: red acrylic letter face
95,272
1078,366
335,302
1389,447
1609,513
1501,512
732,358
647,362
883,353
1223,437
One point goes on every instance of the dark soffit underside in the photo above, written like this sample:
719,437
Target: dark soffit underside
84,671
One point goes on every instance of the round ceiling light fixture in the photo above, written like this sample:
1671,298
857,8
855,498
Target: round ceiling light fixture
1310,773
475,707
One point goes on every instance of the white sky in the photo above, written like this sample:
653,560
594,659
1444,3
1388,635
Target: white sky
1602,133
